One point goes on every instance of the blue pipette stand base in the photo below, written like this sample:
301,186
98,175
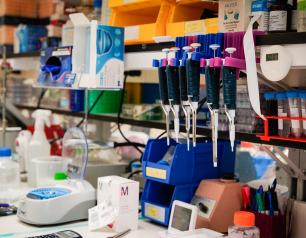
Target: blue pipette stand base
186,167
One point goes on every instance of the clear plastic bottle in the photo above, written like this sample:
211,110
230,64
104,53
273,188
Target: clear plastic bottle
295,111
244,226
9,171
303,107
283,111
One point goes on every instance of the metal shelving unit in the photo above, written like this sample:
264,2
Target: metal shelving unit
240,136
140,57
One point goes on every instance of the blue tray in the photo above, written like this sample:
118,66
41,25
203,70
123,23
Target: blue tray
157,199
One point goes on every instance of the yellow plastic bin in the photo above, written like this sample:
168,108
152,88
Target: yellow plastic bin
184,18
142,19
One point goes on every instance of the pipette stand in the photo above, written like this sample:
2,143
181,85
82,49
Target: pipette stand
178,179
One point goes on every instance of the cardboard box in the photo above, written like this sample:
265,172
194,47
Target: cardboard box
45,8
7,35
18,8
98,54
234,15
121,195
9,7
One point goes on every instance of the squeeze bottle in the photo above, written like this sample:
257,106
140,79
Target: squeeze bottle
39,145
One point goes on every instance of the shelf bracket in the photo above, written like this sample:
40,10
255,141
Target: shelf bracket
291,168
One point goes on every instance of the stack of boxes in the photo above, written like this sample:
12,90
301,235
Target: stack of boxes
15,12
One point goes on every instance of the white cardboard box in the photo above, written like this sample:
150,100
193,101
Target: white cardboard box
234,15
123,195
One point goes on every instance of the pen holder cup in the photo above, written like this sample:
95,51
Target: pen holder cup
271,226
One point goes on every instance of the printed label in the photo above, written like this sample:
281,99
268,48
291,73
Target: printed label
262,24
155,212
101,215
61,52
131,33
194,27
156,173
278,21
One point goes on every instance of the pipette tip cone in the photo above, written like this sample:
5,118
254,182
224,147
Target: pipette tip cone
194,144
215,164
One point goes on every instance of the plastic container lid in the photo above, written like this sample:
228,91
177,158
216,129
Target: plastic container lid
97,3
5,152
60,176
281,95
293,94
246,219
270,95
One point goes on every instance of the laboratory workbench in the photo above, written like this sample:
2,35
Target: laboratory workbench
10,226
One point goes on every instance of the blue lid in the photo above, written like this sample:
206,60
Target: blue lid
97,3
269,95
5,152
155,63
197,56
259,6
303,94
293,94
281,95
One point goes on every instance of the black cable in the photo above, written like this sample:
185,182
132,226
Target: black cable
91,108
41,96
118,117
116,144
133,173
203,101
83,119
158,137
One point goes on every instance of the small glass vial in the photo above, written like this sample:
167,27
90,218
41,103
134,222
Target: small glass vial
295,111
282,111
244,226
303,106
279,16
301,15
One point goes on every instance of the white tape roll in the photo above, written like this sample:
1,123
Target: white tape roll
275,62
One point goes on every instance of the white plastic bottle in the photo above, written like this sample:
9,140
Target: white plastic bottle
39,145
9,175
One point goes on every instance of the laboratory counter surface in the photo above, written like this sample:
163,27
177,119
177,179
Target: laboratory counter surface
10,226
